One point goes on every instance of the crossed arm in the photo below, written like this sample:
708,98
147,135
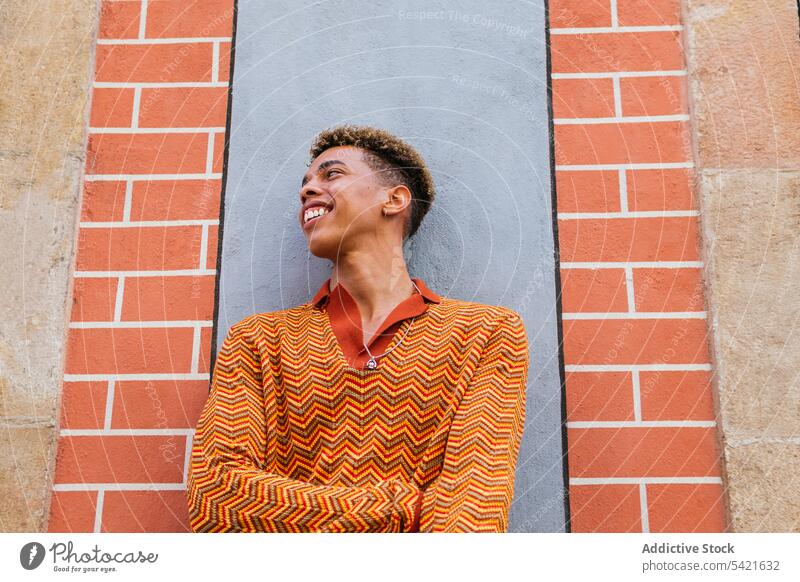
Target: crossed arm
231,489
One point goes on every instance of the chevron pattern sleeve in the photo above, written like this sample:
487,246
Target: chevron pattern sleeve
230,488
474,490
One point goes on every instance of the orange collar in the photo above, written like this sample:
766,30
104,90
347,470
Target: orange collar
325,291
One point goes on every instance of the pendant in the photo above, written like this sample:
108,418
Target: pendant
372,364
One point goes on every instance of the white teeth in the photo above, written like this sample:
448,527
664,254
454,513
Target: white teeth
314,213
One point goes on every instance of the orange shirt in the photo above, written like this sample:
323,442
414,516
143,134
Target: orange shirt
294,439
345,319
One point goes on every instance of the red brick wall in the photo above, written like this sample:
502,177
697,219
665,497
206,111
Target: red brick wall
640,418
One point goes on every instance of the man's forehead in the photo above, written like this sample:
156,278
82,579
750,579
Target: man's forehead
346,154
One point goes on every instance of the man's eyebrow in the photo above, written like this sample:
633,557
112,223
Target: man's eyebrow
322,166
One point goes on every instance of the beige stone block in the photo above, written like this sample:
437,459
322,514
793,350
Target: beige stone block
25,476
763,478
744,62
750,225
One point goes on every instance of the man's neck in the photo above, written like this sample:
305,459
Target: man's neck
377,282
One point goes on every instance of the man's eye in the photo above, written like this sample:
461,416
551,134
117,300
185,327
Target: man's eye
330,172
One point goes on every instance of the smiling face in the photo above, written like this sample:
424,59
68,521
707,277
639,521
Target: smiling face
342,199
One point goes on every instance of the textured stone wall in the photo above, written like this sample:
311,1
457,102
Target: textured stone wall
45,72
744,64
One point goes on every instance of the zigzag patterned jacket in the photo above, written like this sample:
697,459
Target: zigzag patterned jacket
293,439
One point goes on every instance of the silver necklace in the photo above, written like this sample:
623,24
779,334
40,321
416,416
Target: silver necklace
372,363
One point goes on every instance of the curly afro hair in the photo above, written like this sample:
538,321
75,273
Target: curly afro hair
392,158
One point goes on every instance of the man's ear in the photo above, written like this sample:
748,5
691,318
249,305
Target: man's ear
398,199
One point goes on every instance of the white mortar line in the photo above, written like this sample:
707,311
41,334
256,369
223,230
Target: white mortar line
119,486
629,214
645,480
204,246
619,29
137,98
629,166
636,315
643,508
171,40
155,130
630,290
604,74
595,424
215,62
632,264
118,299
210,154
637,396
110,394
126,208
149,223
196,347
609,120
166,273
127,432
132,377
187,456
622,175
149,177
614,14
98,513
157,85
138,324
617,96
143,20
637,367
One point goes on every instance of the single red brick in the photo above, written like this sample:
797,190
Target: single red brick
159,403
213,234
103,201
593,290
622,143
205,350
145,511
83,404
648,12
93,299
660,190
629,239
224,61
642,452
138,248
147,153
72,512
176,200
583,98
623,51
119,18
153,63
184,107
219,152
668,290
129,351
587,191
676,396
605,508
179,18
653,95
169,298
599,396
120,459
580,13
112,108
686,508
635,341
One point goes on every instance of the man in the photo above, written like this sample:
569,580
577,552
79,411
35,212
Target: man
378,405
